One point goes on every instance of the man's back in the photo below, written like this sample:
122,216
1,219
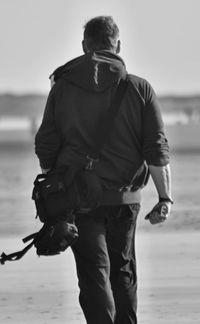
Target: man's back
81,97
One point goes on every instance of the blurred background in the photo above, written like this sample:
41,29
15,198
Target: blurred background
160,42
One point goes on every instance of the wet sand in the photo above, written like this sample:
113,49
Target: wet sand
44,290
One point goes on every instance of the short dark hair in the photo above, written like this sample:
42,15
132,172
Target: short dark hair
101,33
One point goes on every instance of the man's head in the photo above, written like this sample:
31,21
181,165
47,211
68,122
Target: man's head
101,33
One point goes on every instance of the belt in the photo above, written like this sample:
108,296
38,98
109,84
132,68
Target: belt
114,198
111,197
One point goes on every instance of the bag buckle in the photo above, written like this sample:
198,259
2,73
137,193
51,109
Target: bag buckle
90,163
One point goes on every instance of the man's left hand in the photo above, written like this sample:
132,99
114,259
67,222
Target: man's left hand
159,213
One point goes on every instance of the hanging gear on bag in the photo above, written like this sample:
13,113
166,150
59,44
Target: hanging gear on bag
50,240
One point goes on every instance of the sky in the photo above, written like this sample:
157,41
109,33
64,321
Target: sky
160,40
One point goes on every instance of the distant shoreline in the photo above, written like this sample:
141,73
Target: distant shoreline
182,137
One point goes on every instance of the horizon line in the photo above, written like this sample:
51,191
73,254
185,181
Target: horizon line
42,93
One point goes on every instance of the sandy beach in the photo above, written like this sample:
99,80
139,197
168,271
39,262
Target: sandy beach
44,290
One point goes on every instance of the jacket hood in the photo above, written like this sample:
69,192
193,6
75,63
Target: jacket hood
94,71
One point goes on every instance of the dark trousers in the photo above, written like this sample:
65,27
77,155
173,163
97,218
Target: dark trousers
106,265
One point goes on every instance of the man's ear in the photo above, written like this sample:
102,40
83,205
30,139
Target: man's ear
118,48
85,50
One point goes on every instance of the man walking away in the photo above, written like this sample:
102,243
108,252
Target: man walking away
81,94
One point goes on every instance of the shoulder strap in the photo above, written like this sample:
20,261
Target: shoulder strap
106,125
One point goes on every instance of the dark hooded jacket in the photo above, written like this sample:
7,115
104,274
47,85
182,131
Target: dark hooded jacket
76,103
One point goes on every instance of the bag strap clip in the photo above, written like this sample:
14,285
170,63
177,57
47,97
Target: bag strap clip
91,161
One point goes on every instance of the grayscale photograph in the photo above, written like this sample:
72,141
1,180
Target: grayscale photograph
99,162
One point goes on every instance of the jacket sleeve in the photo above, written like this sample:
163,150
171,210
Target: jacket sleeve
48,139
155,144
